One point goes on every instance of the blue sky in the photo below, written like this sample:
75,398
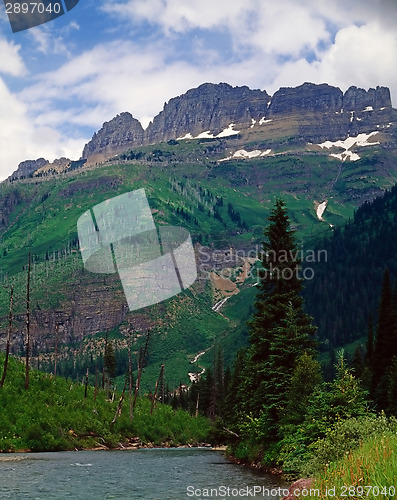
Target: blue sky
60,81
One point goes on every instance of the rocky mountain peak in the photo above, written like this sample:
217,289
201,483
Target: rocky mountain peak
307,97
114,136
356,99
27,167
210,107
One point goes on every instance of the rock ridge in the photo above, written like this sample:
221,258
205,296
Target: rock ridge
319,111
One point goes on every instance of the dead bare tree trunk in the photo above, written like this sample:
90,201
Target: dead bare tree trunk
56,349
27,344
120,405
3,377
197,404
140,368
155,391
86,385
96,379
103,368
130,377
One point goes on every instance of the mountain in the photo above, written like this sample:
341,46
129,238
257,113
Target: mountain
308,113
348,282
301,117
225,154
114,137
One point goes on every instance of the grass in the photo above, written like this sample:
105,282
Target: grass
54,415
41,216
370,471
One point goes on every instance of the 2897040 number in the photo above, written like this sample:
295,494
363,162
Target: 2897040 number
32,7
365,491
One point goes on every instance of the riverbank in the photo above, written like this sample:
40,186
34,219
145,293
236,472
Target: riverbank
55,414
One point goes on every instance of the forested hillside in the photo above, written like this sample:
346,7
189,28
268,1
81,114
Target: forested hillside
346,288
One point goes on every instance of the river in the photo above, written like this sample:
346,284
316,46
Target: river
158,474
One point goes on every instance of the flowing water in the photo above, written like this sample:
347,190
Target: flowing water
159,474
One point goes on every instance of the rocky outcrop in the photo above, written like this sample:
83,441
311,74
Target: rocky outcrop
299,489
308,113
115,136
356,99
306,98
26,168
209,107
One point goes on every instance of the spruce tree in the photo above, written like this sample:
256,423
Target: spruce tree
385,344
306,376
110,361
280,331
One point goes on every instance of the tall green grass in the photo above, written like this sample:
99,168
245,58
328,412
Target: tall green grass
54,415
370,471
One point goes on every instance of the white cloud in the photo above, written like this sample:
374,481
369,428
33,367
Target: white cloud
20,139
130,67
362,56
47,42
180,16
11,62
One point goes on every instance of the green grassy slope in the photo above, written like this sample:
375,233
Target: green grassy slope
185,186
54,415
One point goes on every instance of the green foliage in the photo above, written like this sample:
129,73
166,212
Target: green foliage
305,378
280,330
345,436
329,405
357,255
54,415
369,470
110,360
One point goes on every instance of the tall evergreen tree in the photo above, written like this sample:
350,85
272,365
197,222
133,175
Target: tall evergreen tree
392,388
369,352
110,361
280,331
306,376
385,343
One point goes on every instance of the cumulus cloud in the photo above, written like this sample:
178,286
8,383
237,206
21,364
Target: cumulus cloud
21,139
152,50
11,62
361,56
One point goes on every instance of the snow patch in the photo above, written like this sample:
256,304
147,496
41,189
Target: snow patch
186,136
346,155
263,120
243,154
253,122
227,132
205,135
368,108
321,209
360,140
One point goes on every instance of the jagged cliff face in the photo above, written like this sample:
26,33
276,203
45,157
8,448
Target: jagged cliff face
114,137
208,108
27,167
310,112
